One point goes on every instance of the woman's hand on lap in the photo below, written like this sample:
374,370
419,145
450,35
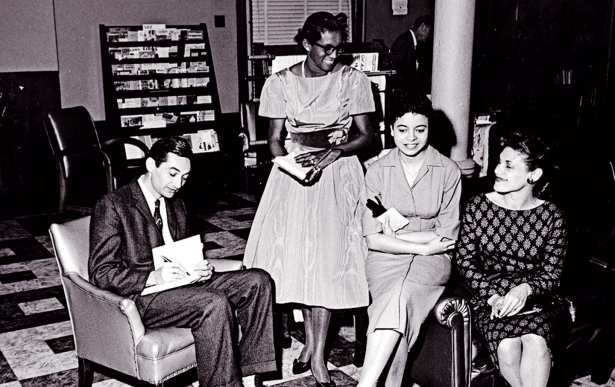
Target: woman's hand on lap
515,300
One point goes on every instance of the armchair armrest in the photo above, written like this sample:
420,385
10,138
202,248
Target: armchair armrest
442,355
107,327
446,308
90,149
221,265
127,140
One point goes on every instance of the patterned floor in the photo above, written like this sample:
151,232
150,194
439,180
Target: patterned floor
36,344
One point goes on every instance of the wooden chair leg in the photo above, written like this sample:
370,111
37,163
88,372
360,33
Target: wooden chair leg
86,373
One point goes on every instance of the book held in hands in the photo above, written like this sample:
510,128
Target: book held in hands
187,252
289,164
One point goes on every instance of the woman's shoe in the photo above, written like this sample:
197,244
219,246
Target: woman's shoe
287,341
330,383
300,367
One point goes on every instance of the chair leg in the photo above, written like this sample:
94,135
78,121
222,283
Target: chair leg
86,373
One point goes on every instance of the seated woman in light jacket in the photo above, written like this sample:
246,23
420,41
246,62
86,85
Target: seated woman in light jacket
407,268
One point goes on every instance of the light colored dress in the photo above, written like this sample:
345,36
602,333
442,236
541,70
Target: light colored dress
308,237
405,287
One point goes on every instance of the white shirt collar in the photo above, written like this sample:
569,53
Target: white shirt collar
413,38
151,203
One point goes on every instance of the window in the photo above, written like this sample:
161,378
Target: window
275,22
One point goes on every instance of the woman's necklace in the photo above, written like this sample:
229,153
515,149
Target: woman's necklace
311,75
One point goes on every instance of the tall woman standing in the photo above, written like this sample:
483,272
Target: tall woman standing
306,234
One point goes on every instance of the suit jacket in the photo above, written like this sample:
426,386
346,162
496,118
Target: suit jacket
122,234
404,58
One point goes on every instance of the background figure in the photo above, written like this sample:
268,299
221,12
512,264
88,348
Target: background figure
408,268
511,253
306,234
411,55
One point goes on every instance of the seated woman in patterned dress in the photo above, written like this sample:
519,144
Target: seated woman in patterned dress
408,268
510,251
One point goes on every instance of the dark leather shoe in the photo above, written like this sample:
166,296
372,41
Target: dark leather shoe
326,384
300,367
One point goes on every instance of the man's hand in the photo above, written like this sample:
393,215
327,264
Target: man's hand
204,269
168,272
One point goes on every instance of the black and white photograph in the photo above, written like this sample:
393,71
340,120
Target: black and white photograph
307,193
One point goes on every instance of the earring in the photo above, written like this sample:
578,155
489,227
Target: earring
530,180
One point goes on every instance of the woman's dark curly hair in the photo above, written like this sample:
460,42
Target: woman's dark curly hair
319,22
536,154
416,103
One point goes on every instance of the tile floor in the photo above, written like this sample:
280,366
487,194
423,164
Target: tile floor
36,344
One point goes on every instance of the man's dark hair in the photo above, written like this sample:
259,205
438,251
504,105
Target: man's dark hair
408,102
176,145
423,19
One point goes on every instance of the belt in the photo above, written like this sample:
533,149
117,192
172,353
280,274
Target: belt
318,139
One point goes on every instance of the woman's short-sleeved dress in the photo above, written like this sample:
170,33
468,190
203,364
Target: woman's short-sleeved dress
405,287
308,237
499,249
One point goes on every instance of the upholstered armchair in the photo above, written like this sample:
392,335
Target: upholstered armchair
442,355
107,328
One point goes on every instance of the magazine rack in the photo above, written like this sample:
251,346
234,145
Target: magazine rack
160,81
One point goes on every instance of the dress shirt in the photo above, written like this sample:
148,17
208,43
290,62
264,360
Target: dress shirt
151,203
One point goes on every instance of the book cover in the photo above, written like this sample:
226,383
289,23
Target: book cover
289,164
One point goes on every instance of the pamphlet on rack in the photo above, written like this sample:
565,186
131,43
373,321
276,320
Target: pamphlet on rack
186,252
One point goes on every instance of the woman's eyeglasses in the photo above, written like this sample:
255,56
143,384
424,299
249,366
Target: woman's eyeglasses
329,49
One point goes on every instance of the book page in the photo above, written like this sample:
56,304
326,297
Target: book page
186,252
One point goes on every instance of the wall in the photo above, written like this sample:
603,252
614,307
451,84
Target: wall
29,29
27,38
77,24
381,24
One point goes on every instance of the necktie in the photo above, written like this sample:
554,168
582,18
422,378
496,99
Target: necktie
157,216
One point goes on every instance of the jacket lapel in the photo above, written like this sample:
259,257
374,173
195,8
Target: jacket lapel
140,203
172,220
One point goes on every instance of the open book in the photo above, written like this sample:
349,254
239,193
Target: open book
186,252
289,164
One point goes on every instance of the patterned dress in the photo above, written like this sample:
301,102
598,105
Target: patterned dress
500,249
308,237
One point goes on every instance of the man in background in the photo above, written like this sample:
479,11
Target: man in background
411,56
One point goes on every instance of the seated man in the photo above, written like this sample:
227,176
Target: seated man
129,222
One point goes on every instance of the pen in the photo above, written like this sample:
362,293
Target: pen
168,260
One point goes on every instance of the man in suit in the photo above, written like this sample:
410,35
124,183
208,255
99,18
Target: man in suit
144,214
411,56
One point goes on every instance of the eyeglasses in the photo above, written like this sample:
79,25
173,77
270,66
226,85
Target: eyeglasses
329,49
